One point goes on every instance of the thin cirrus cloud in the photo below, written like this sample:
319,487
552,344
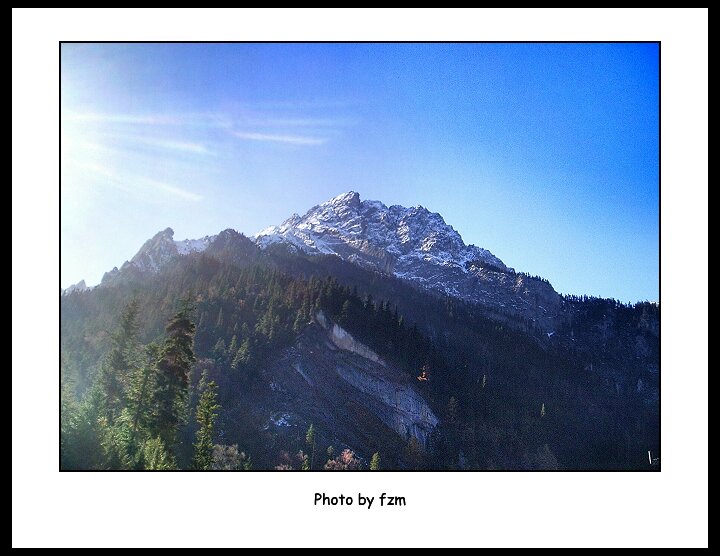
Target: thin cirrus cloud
133,153
306,122
181,146
302,140
124,151
165,144
174,190
190,119
279,128
137,185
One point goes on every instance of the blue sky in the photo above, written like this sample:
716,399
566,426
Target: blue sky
545,154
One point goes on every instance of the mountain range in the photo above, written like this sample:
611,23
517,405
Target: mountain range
384,330
412,244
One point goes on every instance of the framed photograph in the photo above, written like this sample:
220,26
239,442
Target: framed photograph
360,256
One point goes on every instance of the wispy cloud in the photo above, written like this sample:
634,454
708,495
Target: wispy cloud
304,122
181,146
131,119
189,132
138,185
150,155
171,189
303,140
190,119
174,145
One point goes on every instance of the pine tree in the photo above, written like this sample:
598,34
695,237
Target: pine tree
375,462
176,359
299,321
139,410
202,323
310,441
219,351
205,414
156,456
128,325
68,423
120,362
233,346
243,355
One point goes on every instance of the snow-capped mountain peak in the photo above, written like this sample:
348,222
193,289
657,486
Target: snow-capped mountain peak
416,245
372,234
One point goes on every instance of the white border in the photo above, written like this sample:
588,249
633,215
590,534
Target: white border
261,509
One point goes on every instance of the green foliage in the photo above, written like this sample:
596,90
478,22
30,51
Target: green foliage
310,441
176,358
375,462
120,362
243,356
156,456
129,416
205,414
142,387
232,349
219,350
80,432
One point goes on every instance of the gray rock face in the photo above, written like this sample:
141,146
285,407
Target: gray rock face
330,379
79,287
399,406
342,339
155,253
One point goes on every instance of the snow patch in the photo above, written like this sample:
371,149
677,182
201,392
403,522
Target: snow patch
187,246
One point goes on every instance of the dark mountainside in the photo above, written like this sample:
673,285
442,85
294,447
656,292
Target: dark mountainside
353,331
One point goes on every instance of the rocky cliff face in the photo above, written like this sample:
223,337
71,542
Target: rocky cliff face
398,405
330,379
79,287
342,339
155,254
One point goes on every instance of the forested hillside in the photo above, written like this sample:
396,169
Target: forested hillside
211,363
